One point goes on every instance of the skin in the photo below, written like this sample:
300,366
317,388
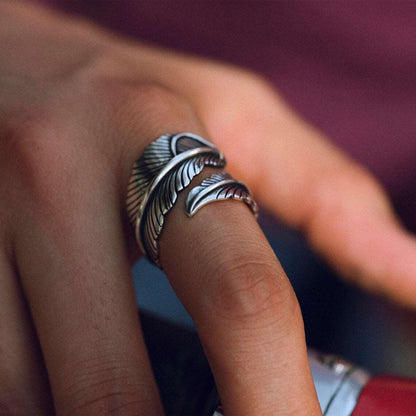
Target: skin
77,107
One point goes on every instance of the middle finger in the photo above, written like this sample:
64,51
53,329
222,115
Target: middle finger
72,258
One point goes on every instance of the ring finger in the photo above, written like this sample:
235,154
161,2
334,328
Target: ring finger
227,276
244,309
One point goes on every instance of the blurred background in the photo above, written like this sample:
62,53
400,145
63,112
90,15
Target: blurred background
349,69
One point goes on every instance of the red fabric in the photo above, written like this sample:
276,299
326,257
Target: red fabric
347,67
387,396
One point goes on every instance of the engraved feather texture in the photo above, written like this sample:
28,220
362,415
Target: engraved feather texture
164,193
218,186
155,157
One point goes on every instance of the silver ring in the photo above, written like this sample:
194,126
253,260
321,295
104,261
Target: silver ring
166,167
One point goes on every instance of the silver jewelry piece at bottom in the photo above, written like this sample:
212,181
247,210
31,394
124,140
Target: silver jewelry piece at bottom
217,187
338,384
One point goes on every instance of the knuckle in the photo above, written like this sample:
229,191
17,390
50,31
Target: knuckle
38,160
157,95
345,201
256,86
111,403
349,189
104,389
50,158
258,82
149,107
252,290
27,145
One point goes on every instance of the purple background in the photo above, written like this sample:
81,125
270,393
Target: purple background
347,67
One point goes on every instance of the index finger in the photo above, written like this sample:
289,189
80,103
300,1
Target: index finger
247,316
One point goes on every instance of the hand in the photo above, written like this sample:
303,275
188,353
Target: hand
77,107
